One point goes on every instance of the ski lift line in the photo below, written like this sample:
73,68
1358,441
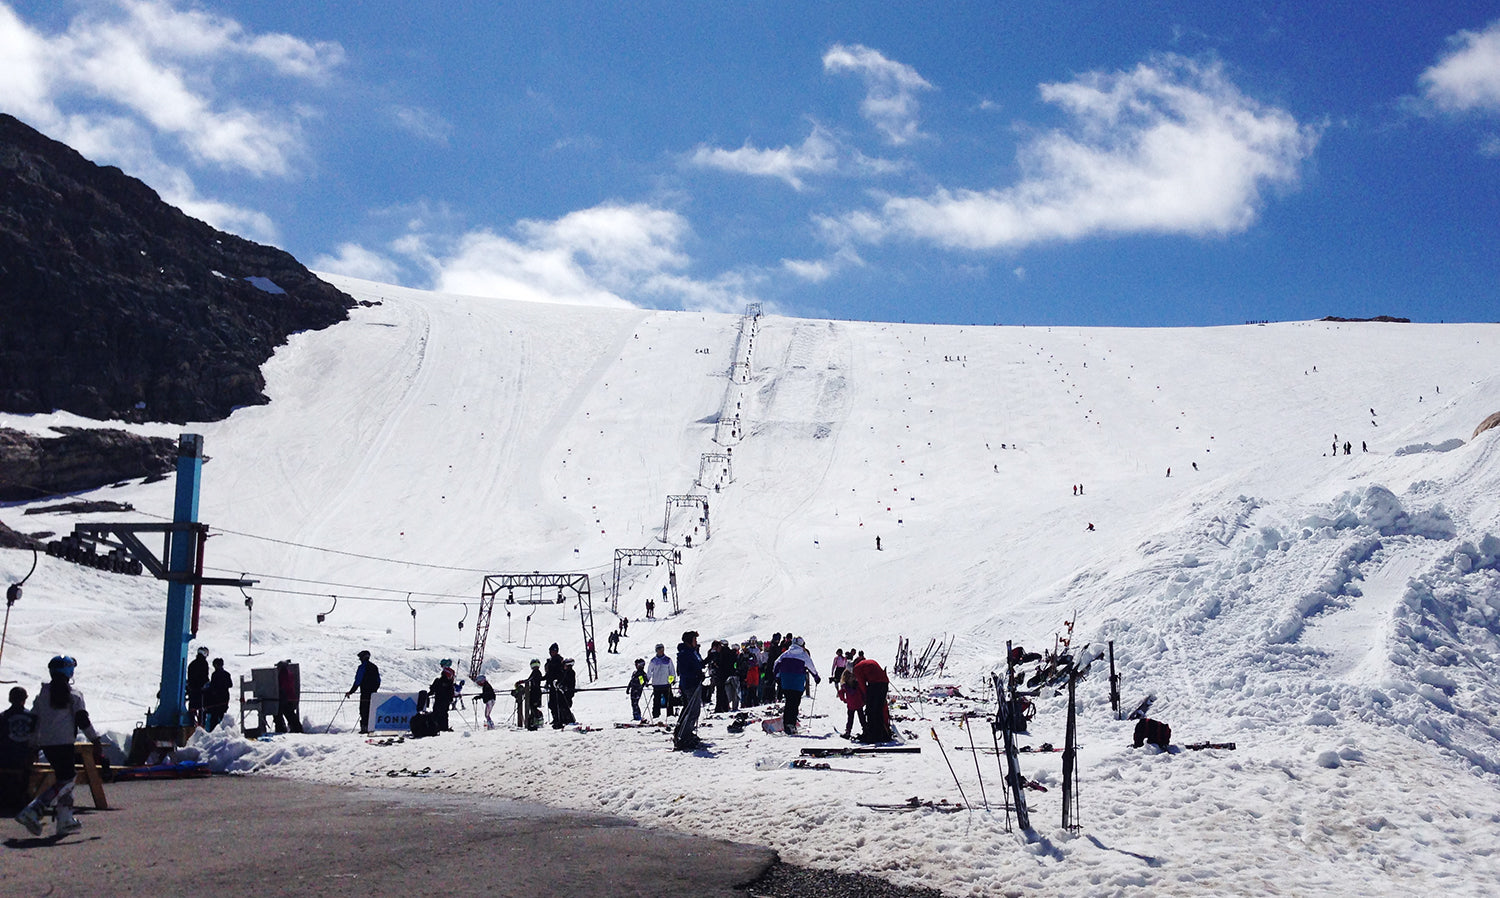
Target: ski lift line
356,586
350,598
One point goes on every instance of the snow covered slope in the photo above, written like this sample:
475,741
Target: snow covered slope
1336,615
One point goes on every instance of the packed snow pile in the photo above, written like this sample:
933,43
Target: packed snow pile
1238,511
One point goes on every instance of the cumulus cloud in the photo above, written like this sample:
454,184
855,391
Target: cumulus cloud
891,88
1169,147
609,255
135,82
353,260
1467,77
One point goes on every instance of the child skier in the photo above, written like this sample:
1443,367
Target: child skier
60,714
635,687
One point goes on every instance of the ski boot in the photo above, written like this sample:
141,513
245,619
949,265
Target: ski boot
66,822
31,818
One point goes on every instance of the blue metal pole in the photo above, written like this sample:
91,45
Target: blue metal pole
181,556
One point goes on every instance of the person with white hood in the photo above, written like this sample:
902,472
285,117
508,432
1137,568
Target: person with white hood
60,714
792,669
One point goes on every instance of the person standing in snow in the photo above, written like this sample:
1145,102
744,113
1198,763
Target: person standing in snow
441,692
690,669
836,674
288,694
635,686
567,684
552,673
487,696
793,667
661,673
853,696
197,678
534,696
872,678
17,751
216,695
60,714
367,681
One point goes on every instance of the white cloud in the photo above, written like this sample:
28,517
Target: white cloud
353,260
135,81
816,271
891,87
1467,78
422,123
1168,147
609,255
817,155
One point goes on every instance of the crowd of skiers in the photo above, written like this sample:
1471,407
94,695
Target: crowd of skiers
752,673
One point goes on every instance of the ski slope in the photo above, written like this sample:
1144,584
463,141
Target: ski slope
1337,616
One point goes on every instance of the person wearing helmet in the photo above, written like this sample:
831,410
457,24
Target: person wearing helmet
487,697
367,681
197,679
216,696
661,673
534,696
792,669
442,691
60,714
635,686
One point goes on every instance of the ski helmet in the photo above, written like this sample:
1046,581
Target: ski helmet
203,651
62,664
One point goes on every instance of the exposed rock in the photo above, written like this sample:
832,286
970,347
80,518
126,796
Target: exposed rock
1487,423
117,305
1386,318
34,467
10,539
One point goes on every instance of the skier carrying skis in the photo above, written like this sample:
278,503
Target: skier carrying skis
60,714
792,669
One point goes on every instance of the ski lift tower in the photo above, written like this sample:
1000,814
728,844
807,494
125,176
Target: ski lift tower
692,500
628,557
578,584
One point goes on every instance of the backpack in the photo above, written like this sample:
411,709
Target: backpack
422,725
1152,731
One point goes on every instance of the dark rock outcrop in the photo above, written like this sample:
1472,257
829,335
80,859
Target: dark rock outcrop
117,305
1489,423
33,467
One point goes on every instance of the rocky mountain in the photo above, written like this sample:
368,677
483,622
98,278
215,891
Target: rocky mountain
116,305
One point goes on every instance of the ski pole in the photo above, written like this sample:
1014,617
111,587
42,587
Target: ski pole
335,716
950,767
983,797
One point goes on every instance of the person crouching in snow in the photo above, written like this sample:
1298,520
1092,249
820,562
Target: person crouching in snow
60,714
792,670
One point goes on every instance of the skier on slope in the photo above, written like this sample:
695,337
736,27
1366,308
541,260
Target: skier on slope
60,714
793,667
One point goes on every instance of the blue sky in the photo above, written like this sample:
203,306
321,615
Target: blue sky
1188,163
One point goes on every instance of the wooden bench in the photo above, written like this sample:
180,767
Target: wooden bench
88,772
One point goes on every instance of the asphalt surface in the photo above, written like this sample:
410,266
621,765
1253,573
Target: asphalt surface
232,836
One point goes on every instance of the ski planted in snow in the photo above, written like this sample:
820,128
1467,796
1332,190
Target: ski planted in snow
1143,708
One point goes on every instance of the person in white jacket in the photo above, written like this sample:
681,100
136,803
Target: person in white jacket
60,714
661,672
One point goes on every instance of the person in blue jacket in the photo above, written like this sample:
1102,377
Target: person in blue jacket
792,670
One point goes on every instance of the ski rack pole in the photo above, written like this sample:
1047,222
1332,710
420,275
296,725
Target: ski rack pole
982,796
950,766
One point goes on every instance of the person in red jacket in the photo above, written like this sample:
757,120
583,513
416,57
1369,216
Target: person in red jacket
872,679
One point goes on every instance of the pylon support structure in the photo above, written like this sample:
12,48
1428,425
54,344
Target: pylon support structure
577,584
709,464
625,557
692,500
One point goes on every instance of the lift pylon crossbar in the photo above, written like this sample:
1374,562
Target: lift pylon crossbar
629,556
125,538
578,584
692,500
711,461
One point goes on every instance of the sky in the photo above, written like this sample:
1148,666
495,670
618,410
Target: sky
1337,618
1096,163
